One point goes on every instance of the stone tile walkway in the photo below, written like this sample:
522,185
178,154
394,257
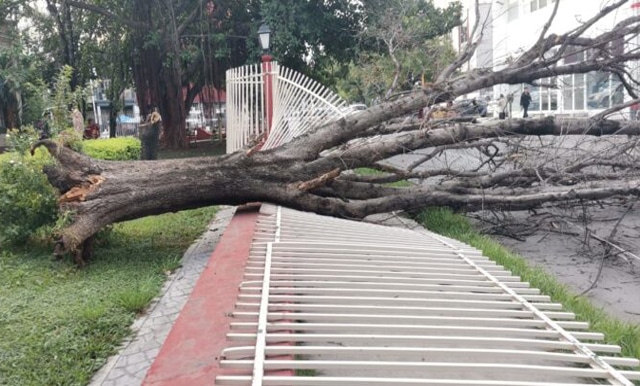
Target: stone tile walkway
130,365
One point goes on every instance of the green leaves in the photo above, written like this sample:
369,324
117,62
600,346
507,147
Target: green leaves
27,201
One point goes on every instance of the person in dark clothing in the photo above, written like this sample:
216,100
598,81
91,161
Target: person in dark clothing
525,100
92,131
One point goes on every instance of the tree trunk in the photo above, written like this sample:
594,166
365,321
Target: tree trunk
103,192
149,136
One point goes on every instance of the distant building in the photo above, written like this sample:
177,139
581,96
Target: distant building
513,26
208,108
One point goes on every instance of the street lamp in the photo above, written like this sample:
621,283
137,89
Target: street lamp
264,33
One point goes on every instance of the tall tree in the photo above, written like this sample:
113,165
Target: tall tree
312,36
371,75
399,26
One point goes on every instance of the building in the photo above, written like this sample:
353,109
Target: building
207,110
512,26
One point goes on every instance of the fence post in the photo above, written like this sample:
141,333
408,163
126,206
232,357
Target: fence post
267,78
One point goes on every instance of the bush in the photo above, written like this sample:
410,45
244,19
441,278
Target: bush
27,200
113,149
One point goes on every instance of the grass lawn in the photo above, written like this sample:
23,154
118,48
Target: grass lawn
59,324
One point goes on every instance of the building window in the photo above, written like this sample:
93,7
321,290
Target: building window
539,4
463,33
603,91
549,95
513,10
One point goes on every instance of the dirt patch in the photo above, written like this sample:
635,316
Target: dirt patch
555,240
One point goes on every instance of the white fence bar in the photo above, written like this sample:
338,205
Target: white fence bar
299,104
363,304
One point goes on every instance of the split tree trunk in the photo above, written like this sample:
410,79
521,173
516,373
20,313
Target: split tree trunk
149,137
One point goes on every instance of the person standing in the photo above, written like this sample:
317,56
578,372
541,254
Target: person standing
525,100
502,106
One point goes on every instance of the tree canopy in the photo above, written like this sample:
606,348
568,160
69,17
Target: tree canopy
163,47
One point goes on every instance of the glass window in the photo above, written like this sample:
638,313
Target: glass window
597,90
464,33
513,10
539,4
567,92
535,98
549,95
578,91
617,92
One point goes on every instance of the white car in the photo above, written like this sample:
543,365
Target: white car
354,108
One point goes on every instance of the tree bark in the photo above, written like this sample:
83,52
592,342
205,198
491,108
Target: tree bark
149,137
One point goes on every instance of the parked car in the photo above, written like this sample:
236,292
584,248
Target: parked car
354,108
467,107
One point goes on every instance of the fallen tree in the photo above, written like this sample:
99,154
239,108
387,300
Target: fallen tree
313,172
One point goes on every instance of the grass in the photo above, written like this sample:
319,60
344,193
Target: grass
446,223
58,324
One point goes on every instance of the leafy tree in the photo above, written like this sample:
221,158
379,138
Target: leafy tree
21,86
314,36
515,167
369,77
402,30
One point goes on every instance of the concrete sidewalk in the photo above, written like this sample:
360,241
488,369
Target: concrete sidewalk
129,367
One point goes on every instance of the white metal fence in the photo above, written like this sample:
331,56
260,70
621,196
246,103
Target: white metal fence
299,104
362,304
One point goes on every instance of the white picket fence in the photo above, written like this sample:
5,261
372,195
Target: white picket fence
299,104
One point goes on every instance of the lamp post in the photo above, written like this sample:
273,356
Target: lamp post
264,33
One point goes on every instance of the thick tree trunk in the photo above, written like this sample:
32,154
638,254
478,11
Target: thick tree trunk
100,193
149,136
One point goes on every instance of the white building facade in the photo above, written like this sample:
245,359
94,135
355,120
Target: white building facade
512,26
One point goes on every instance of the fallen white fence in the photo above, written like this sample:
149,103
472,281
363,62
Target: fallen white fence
361,304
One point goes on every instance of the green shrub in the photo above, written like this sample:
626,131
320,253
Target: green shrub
71,139
21,140
27,200
113,149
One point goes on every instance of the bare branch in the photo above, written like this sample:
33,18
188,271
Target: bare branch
468,51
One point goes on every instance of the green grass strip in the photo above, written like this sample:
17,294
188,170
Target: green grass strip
455,226
59,324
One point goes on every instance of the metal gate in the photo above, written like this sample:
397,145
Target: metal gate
292,102
337,302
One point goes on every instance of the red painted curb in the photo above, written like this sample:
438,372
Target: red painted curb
189,355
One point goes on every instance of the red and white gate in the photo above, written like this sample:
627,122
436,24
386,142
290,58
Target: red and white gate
292,102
